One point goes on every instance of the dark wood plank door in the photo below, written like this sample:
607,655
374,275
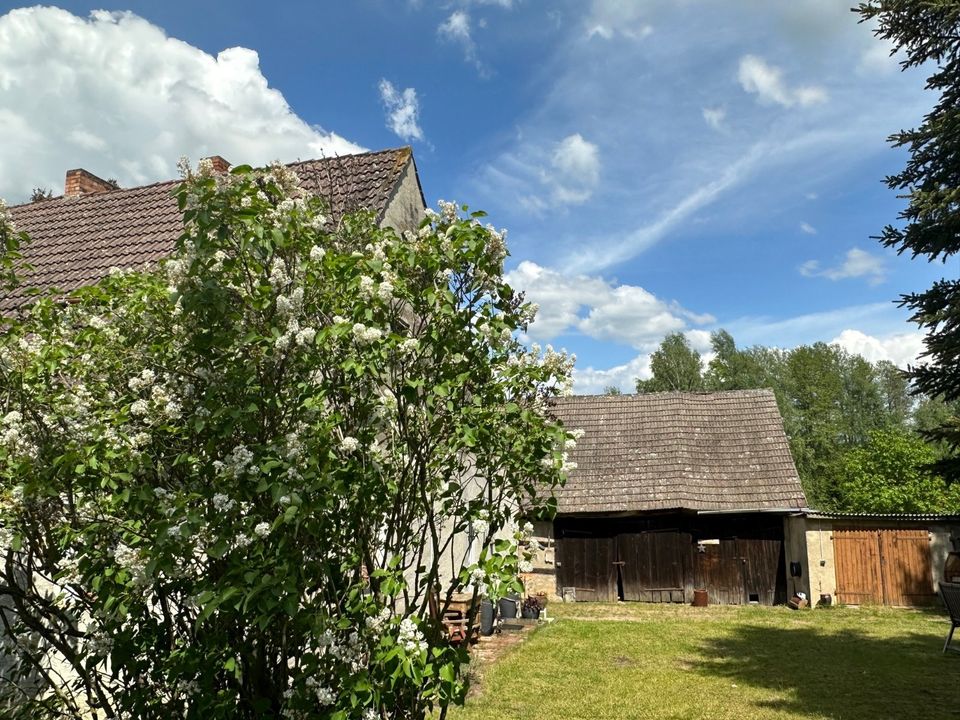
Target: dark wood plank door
654,566
588,564
719,571
764,580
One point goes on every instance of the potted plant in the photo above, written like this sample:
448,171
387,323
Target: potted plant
531,607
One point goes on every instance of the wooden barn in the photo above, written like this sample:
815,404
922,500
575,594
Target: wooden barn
673,492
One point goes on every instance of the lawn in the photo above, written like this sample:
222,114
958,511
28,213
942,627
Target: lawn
651,661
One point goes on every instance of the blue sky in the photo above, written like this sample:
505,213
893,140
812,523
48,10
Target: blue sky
660,166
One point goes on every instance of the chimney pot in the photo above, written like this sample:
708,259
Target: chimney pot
80,182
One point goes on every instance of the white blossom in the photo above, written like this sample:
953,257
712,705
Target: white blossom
366,334
305,336
262,529
410,637
223,503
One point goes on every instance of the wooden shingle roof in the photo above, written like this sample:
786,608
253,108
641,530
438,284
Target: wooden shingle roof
74,241
723,451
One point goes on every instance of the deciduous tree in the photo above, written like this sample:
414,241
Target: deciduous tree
233,487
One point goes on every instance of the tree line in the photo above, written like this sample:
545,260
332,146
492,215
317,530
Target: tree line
859,438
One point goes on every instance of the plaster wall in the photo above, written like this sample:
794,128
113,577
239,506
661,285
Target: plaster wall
405,210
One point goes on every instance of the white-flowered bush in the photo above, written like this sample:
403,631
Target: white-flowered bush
232,486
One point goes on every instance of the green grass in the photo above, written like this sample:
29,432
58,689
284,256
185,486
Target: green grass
629,661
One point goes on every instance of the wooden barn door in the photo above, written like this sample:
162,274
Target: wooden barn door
654,566
764,575
890,566
856,555
719,570
589,565
738,571
907,571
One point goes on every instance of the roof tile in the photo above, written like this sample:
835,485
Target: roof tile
665,451
74,241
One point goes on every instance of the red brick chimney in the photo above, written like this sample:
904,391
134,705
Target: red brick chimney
220,166
80,182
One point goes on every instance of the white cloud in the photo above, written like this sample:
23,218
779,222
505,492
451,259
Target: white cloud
766,81
714,116
901,349
576,170
808,228
457,29
403,111
856,263
129,101
592,381
600,309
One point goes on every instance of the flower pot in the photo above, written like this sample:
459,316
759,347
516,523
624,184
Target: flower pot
486,617
530,613
508,606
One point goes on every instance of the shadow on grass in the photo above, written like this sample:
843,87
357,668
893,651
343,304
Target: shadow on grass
844,673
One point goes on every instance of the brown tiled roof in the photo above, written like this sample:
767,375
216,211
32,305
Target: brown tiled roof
76,240
691,451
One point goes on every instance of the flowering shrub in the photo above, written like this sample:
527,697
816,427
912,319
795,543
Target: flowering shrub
233,486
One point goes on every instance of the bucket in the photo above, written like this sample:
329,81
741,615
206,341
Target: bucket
700,598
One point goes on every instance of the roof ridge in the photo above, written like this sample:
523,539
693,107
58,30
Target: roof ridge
404,149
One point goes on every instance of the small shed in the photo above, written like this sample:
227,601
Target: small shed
870,558
673,492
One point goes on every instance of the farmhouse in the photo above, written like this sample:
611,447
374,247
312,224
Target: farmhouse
78,237
672,493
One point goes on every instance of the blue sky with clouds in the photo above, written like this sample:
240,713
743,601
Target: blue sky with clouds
661,166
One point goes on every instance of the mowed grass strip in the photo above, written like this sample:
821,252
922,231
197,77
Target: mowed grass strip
653,661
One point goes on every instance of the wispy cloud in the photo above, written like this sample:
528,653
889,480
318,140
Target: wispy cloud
807,228
542,176
856,263
715,116
607,19
594,256
403,111
766,81
877,319
457,29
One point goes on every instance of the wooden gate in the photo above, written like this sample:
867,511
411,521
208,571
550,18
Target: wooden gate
589,565
655,566
889,566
